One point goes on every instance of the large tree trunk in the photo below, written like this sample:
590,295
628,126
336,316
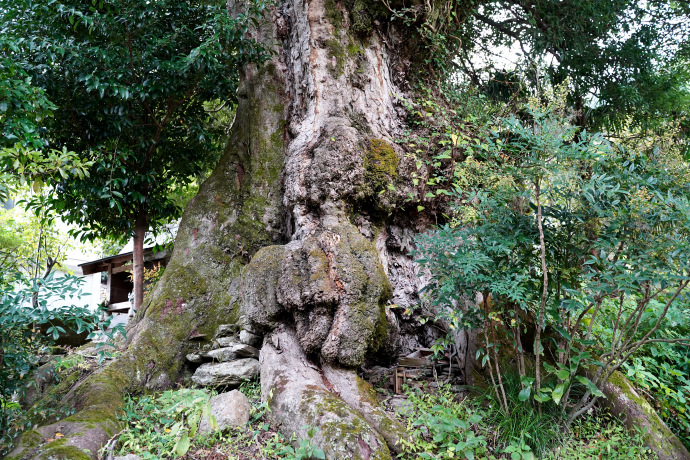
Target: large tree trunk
300,235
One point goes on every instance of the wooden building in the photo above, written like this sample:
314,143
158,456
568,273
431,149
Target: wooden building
118,268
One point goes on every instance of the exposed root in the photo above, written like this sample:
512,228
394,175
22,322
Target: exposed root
301,397
98,400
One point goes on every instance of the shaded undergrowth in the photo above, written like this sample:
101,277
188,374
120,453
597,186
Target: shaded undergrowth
443,423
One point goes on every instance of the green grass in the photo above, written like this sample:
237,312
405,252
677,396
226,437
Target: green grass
524,423
600,435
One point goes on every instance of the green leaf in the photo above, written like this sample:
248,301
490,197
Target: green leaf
557,393
563,374
474,419
524,394
182,445
175,428
193,423
590,386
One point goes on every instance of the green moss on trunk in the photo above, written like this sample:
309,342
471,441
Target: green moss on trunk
380,165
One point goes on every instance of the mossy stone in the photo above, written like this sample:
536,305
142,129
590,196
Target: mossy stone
63,453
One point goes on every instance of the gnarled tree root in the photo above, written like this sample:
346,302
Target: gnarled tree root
79,436
624,402
301,395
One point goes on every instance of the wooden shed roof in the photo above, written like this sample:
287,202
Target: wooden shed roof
101,265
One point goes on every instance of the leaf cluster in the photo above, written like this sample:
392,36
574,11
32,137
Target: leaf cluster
25,305
624,58
572,222
129,81
442,427
162,426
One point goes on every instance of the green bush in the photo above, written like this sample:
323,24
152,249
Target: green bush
24,305
564,231
441,426
600,436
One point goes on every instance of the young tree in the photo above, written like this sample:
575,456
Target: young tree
569,230
129,80
29,246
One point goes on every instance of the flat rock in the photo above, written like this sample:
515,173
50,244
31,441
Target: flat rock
231,351
223,342
235,351
128,457
250,339
226,330
230,410
226,374
196,358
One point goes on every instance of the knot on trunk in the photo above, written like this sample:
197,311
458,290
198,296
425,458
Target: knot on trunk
330,285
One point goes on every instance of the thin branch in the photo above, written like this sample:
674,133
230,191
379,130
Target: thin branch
542,306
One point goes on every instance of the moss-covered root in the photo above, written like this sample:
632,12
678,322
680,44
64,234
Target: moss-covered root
79,436
361,396
624,402
299,398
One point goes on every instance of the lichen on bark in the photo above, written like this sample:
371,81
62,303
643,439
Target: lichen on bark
380,165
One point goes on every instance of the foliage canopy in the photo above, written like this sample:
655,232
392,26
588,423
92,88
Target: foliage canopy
128,81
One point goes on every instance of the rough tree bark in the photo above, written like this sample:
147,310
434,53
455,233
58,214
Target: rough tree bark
296,237
140,228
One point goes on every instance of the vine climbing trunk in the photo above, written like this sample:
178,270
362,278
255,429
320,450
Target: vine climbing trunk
300,237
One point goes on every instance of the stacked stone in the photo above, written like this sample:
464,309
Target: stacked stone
229,360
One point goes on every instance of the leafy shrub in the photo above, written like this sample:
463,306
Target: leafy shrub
570,226
24,305
443,427
600,436
162,426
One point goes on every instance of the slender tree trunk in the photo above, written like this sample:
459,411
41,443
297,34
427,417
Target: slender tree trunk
544,293
140,228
